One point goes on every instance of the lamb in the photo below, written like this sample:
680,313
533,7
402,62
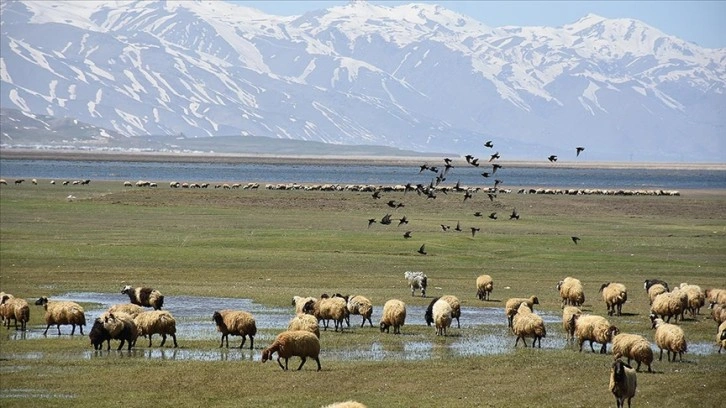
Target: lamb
304,321
300,343
361,305
441,315
571,292
394,314
567,323
528,324
147,297
118,326
716,295
595,329
718,312
623,382
510,308
669,304
635,347
16,309
696,298
299,302
656,290
416,280
484,287
128,308
156,322
614,295
669,337
334,308
650,282
236,323
62,313
721,336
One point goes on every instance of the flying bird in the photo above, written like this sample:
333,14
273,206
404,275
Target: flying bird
579,150
478,214
467,195
491,196
423,167
386,220
495,167
497,182
485,174
474,230
468,158
403,220
371,221
407,234
447,161
493,216
458,226
377,194
489,144
445,227
552,158
475,162
494,156
391,203
422,250
575,239
515,215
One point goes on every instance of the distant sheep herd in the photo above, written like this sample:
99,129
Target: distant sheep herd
144,317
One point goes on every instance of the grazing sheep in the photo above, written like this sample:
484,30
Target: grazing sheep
623,382
5,309
510,308
394,314
650,282
484,287
669,304
721,336
416,280
304,321
156,322
656,290
62,313
299,302
528,324
718,312
346,404
696,298
361,305
325,308
128,308
441,316
16,309
571,292
147,297
567,323
669,337
595,329
299,343
614,295
635,347
114,326
716,295
236,323
455,309
98,335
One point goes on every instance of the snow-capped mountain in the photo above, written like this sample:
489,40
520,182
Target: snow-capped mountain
415,76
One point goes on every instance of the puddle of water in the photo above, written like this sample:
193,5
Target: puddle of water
29,393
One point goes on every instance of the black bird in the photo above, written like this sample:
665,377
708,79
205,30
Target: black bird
579,150
515,215
489,144
457,186
458,226
422,250
575,239
377,194
495,167
391,203
491,196
485,174
494,156
497,182
468,158
423,167
434,169
447,161
467,195
493,216
407,234
445,227
386,220
403,220
371,221
474,230
552,158
478,214
475,162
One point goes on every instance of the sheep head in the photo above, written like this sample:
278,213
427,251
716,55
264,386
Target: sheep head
126,289
42,301
266,355
535,300
309,306
603,286
5,297
612,332
619,370
559,285
217,317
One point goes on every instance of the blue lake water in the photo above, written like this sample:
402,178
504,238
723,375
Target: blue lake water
555,177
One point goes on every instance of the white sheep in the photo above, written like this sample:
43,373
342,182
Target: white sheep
669,337
528,324
416,280
721,336
718,312
300,301
669,304
614,295
571,292
635,347
716,295
325,309
236,323
304,321
394,314
156,322
655,290
62,313
442,318
16,309
128,308
484,287
595,329
298,343
568,324
346,404
696,298
510,308
623,383
147,297
361,305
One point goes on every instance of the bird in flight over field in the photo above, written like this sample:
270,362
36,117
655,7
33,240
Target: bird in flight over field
371,221
474,230
493,215
494,156
579,150
575,239
515,215
407,234
552,158
489,144
422,250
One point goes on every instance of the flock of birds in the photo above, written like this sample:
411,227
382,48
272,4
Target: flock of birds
441,174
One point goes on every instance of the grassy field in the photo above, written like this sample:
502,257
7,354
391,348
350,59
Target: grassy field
270,245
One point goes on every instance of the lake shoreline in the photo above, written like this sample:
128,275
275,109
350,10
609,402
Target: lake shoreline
26,154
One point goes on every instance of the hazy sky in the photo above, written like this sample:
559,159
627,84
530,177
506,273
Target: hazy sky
701,22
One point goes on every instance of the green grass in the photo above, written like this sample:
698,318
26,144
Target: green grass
271,245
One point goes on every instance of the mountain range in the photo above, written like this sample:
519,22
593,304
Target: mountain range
416,77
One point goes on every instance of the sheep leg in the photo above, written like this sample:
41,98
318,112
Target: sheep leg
221,342
163,340
108,345
244,337
317,360
458,323
252,342
604,348
591,348
302,363
121,345
173,337
150,339
661,355
284,367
